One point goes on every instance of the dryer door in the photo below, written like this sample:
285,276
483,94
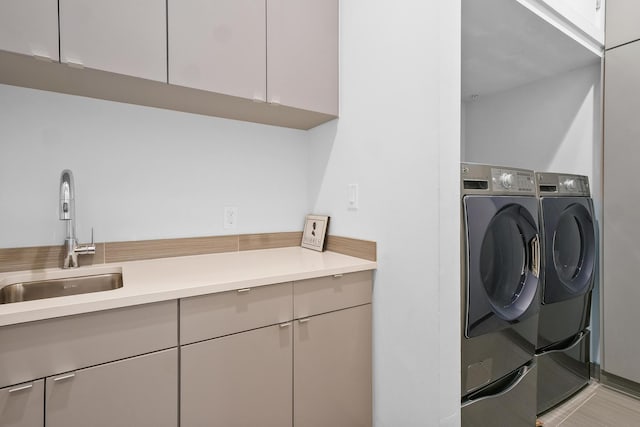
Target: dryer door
569,247
503,261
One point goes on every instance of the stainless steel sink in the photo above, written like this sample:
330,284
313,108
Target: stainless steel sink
51,288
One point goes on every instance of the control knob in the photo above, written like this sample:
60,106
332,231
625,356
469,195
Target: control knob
506,179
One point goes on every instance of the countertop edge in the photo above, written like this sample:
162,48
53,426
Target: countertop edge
80,304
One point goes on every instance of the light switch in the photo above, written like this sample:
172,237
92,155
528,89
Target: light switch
352,196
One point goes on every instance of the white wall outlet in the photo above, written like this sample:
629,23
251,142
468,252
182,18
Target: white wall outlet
230,217
352,196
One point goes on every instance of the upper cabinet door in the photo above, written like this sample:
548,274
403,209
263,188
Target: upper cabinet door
622,22
218,46
302,52
30,27
119,36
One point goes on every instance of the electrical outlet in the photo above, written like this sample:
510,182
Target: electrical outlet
230,217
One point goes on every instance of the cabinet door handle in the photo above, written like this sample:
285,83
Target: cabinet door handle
77,65
42,58
21,388
337,276
284,325
305,320
64,377
241,291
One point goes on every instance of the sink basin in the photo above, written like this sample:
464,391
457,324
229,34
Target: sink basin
51,288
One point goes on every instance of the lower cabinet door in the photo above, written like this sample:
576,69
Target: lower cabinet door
22,405
238,380
332,369
141,391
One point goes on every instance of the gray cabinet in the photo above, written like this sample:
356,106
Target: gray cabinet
332,369
119,36
302,54
238,380
218,46
622,22
621,347
141,391
30,27
284,52
21,405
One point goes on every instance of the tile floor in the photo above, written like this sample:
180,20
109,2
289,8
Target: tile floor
595,406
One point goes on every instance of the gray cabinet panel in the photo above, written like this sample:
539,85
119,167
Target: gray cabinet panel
622,22
302,54
48,347
22,405
29,27
332,369
219,46
238,380
215,315
323,294
621,232
119,36
141,391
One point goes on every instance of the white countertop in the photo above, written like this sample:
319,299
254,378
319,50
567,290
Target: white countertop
171,278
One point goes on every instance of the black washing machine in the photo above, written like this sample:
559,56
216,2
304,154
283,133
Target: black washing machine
569,255
500,295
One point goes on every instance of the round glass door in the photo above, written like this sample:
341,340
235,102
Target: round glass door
573,248
506,260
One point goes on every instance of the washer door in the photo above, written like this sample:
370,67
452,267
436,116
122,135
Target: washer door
503,260
569,247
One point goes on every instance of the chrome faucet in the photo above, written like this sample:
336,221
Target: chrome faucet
68,213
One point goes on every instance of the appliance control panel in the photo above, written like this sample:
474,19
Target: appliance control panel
563,185
513,180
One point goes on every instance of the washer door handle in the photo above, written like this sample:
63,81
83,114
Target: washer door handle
535,256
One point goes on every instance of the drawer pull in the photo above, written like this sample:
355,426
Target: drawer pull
65,377
304,320
241,291
284,325
21,388
337,276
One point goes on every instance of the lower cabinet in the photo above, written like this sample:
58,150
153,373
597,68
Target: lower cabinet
332,369
238,380
140,391
21,405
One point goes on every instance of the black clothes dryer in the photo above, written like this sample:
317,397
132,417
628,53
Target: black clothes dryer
500,293
569,254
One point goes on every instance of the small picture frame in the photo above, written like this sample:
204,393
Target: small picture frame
315,231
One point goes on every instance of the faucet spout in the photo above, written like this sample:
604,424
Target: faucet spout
67,213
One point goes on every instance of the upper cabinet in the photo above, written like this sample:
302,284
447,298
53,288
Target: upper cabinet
622,22
302,54
30,27
219,46
119,36
284,52
585,17
265,61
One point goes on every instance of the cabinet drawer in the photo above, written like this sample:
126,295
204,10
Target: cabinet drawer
21,405
141,391
48,347
215,315
324,294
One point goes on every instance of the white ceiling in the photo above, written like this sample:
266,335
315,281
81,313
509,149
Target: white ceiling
505,45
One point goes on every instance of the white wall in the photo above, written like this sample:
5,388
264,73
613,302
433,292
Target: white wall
142,173
398,138
551,125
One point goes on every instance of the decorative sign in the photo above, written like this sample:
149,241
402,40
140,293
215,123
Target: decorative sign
315,230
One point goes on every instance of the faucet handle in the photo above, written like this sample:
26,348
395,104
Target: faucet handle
86,249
